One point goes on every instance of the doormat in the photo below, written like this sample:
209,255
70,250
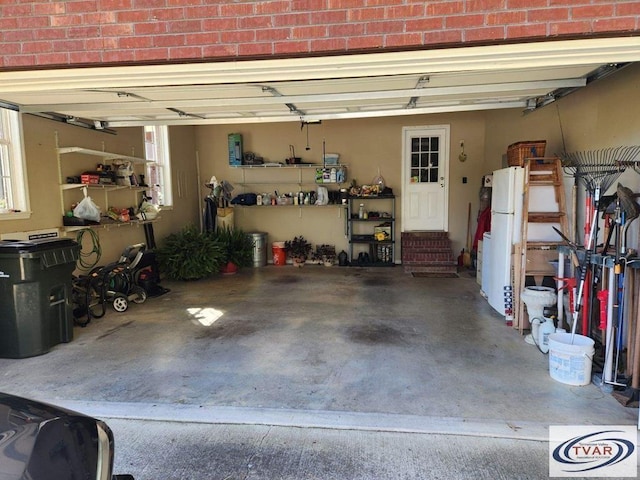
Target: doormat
434,274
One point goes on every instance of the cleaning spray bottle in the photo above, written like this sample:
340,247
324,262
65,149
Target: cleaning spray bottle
545,329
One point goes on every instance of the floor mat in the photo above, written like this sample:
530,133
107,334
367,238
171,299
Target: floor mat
434,274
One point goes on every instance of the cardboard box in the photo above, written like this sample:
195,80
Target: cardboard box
235,149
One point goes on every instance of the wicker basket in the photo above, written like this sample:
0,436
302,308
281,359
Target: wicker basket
517,152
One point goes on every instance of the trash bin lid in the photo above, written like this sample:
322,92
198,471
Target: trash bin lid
37,245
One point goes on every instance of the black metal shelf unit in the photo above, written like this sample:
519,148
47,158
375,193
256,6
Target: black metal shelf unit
371,239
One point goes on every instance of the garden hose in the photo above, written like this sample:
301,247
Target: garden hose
96,250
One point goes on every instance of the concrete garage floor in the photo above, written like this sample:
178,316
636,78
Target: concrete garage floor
342,349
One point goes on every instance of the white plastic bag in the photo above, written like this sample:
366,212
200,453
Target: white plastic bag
87,210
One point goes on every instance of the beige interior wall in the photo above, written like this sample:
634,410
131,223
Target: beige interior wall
364,145
603,114
44,191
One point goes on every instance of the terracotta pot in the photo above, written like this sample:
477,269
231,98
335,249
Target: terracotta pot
229,269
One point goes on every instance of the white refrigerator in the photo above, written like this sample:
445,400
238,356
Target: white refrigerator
506,224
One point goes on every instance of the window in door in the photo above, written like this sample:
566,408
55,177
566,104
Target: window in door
13,178
156,146
425,159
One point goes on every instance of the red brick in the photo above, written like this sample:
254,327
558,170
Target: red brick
205,38
273,34
148,54
116,4
309,32
291,19
328,17
385,2
506,18
406,11
328,44
407,39
485,5
185,26
464,21
49,33
237,36
134,16
49,8
631,8
219,24
81,7
525,4
219,51
258,22
346,30
203,11
36,47
66,20
291,47
444,8
443,37
83,32
366,14
424,24
592,11
118,56
487,33
548,14
184,3
137,43
185,52
10,48
615,24
16,10
385,27
255,49
236,9
307,5
527,31
337,4
68,45
33,22
118,30
102,43
274,7
85,57
98,18
21,35
167,14
60,58
364,42
169,40
149,3
8,23
567,28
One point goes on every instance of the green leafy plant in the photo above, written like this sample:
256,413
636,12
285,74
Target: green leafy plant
237,244
299,247
191,254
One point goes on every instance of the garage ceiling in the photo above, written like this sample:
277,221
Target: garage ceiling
523,76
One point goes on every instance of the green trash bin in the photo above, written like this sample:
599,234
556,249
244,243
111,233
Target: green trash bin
35,295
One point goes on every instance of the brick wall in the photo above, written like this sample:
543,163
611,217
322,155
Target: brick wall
76,32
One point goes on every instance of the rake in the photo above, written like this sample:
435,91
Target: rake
596,170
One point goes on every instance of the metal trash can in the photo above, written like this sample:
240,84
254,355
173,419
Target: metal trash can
259,240
35,295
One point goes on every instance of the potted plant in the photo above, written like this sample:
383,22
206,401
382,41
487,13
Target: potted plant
298,249
327,253
190,254
238,248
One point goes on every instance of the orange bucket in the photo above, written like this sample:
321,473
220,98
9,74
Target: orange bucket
279,253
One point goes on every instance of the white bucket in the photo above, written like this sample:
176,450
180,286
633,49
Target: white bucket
570,362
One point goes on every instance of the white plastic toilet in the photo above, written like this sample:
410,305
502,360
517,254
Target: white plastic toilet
536,299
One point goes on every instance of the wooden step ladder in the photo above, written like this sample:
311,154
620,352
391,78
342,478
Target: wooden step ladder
539,242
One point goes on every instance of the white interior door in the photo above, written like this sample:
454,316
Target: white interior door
425,177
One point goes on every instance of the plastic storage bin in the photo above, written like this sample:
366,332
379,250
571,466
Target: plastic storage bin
35,295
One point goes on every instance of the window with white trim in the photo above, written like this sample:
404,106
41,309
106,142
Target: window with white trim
156,148
13,173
